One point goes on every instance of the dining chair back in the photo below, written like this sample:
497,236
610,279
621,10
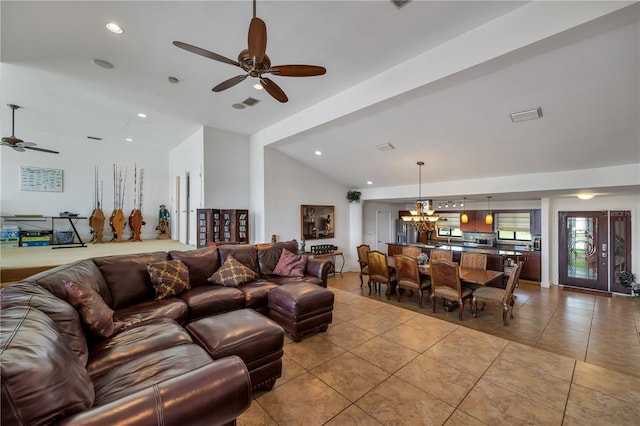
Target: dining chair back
445,283
363,261
411,251
498,295
379,272
470,259
441,254
409,277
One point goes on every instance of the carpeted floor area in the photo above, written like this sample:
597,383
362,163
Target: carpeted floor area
17,263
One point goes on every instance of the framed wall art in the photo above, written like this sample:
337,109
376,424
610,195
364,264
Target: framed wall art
317,222
40,179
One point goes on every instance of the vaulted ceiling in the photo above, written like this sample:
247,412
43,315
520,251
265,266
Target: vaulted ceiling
383,83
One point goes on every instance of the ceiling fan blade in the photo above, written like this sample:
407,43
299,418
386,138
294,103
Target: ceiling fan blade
257,39
274,90
39,149
18,148
297,70
205,53
28,144
229,83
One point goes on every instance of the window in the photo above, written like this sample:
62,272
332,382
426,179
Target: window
450,227
513,226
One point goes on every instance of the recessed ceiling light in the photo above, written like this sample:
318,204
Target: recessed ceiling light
102,64
173,80
369,182
114,28
585,196
257,86
141,115
129,140
318,152
238,106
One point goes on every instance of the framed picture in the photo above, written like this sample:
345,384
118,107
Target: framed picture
317,222
40,179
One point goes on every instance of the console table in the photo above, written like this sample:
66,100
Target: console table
72,221
332,255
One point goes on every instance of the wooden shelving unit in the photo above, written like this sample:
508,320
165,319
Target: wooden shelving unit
222,225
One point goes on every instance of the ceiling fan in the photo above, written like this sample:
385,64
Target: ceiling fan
17,143
255,62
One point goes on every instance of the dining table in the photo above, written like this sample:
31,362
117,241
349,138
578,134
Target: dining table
467,275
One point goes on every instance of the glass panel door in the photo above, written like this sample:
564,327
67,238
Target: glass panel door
584,249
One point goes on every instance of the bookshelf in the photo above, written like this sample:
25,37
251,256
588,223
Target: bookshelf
222,225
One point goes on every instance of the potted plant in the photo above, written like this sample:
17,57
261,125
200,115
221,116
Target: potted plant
626,279
354,196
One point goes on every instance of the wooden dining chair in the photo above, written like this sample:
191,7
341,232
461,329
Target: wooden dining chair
498,295
363,250
411,251
445,283
409,277
379,272
441,254
470,259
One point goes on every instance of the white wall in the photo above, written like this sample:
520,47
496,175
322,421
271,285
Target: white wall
226,169
78,159
289,184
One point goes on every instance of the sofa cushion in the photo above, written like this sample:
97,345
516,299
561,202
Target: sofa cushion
65,316
212,300
127,277
247,254
255,294
290,265
148,370
169,278
275,279
42,380
82,271
232,273
202,263
269,254
130,343
171,307
97,316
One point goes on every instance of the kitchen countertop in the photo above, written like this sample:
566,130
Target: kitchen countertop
502,250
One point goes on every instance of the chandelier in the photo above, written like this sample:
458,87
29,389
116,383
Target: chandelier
423,218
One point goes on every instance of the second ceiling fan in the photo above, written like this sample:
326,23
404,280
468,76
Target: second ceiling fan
255,62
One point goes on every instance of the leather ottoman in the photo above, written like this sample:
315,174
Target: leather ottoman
301,308
252,336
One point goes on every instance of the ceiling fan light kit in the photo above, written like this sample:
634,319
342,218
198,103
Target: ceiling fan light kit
255,62
16,143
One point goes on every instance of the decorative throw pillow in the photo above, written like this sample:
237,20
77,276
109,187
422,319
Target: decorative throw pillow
169,278
232,273
290,265
94,312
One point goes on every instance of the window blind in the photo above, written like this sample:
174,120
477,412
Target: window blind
516,221
453,221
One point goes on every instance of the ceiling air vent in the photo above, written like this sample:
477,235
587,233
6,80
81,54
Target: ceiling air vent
400,3
250,101
385,147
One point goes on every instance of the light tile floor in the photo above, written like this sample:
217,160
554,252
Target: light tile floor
566,359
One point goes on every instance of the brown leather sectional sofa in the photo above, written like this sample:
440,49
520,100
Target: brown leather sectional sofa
151,371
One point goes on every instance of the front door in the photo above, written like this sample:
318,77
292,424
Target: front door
589,256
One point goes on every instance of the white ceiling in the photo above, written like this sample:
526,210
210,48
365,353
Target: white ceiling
586,80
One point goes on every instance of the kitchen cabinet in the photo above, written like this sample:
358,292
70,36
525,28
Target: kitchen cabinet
532,268
535,222
476,222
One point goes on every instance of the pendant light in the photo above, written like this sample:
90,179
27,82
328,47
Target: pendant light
488,219
464,217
